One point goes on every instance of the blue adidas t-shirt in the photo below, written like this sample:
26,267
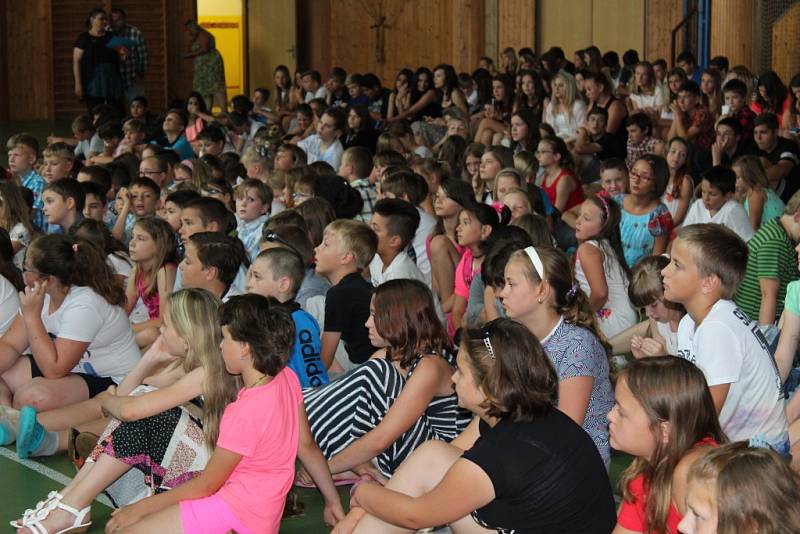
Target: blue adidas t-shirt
305,360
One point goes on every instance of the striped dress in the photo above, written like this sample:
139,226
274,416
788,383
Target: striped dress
352,405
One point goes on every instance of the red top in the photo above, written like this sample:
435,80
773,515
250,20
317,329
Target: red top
575,198
632,515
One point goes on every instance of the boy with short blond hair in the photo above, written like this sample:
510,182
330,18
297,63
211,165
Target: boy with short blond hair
355,168
253,201
59,160
707,265
346,250
135,135
23,153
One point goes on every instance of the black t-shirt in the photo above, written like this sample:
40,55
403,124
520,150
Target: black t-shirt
95,52
346,311
785,150
610,147
547,475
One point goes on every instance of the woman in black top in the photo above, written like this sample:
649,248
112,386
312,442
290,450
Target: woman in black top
521,466
95,64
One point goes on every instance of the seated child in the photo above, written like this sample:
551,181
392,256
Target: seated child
295,238
134,139
658,334
141,199
59,162
23,152
64,200
771,266
94,206
278,273
613,182
640,138
736,105
111,133
86,141
355,168
253,201
211,262
718,205
594,145
325,145
394,221
707,265
259,438
664,416
720,479
346,250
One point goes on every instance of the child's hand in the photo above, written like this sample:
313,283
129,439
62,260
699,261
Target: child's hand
124,197
651,347
124,517
32,299
157,353
636,347
333,513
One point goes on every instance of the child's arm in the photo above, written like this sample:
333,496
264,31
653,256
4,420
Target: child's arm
13,342
719,393
756,205
621,343
570,217
317,466
154,359
787,343
769,300
573,397
458,310
131,294
219,469
683,204
329,341
406,410
165,282
133,408
591,258
660,244
119,226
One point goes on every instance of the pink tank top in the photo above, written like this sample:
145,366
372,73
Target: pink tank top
150,301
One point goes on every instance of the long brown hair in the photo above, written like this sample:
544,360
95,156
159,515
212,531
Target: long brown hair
13,209
568,298
671,390
405,316
512,370
76,262
166,250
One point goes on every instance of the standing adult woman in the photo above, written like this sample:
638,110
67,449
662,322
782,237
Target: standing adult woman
95,64
209,69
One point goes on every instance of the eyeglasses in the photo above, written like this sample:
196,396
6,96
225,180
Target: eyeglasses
639,176
213,191
540,152
295,196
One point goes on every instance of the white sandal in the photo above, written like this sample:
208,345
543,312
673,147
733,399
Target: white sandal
34,522
28,514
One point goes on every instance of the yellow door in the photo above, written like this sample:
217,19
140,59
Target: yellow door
272,40
224,21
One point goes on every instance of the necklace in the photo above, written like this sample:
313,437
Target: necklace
257,382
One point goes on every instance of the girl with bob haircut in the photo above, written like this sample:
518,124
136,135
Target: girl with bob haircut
398,399
738,488
70,294
664,416
521,465
541,293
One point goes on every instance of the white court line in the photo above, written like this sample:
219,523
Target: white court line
52,474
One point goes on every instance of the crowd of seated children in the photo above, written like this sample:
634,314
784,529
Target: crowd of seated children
578,254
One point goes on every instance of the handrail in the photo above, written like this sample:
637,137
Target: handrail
677,28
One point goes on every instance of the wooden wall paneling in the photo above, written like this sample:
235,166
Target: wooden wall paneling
516,22
179,71
314,26
271,33
565,24
785,43
732,30
3,64
618,25
468,34
660,18
30,62
150,17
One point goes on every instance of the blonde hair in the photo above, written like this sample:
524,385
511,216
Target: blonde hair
356,237
133,126
523,194
570,92
510,172
755,489
526,163
60,150
194,314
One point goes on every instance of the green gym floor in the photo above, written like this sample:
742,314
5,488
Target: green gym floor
25,482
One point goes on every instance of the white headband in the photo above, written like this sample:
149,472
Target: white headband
536,260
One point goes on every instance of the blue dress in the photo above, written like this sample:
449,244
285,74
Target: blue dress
638,232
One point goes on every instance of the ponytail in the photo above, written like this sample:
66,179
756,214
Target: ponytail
76,262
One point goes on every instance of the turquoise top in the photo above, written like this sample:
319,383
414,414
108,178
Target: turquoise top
772,208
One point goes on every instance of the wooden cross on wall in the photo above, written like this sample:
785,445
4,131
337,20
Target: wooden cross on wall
380,24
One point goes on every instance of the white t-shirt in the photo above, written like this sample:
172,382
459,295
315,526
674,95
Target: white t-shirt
426,225
729,349
9,304
731,214
401,267
119,266
322,92
86,316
